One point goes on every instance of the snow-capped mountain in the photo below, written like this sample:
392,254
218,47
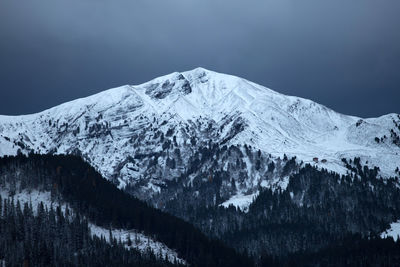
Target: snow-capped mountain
192,127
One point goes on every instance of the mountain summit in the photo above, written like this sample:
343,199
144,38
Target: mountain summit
172,128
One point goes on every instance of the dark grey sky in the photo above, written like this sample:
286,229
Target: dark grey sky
343,54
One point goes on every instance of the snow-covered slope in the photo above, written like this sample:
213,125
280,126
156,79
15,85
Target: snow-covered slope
143,135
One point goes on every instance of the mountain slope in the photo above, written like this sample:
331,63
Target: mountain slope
146,136
73,183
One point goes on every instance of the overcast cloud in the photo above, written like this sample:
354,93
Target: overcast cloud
343,54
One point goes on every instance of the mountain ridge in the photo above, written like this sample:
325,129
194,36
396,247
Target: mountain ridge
131,133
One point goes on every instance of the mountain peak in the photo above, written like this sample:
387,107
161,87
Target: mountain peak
199,69
209,106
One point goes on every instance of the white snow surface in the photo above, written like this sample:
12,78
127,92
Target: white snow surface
393,231
100,127
240,201
140,241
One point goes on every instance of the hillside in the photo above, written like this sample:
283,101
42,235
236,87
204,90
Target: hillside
145,137
97,204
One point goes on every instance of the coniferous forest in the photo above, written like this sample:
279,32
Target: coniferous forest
322,219
71,180
52,238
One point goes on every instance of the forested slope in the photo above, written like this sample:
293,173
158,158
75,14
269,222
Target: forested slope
72,180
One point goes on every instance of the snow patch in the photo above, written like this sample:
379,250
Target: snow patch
393,231
240,201
138,241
